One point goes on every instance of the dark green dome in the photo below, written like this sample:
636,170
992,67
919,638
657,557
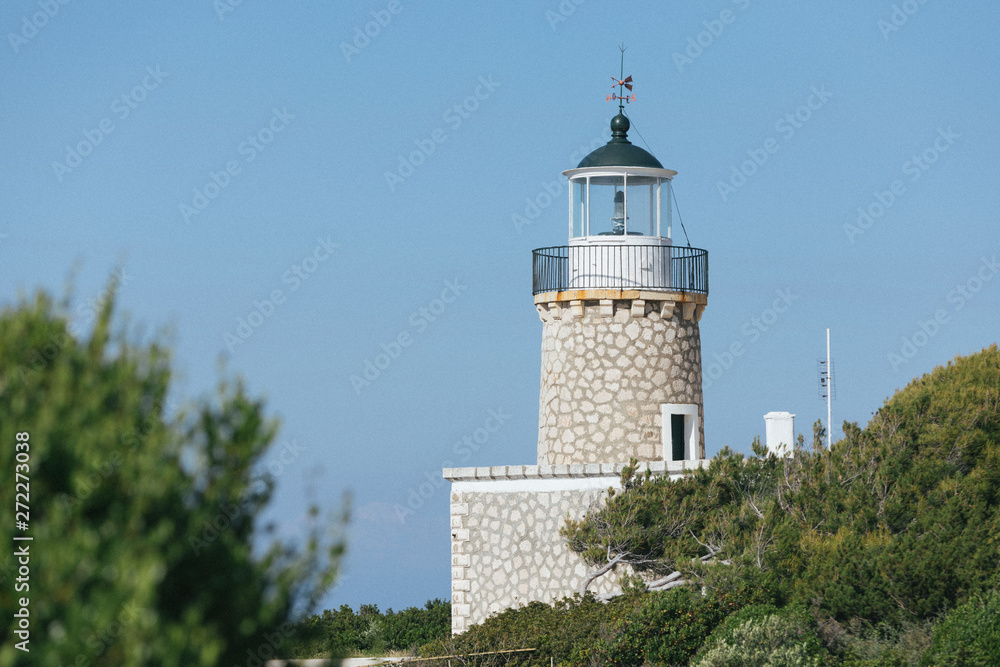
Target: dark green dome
620,152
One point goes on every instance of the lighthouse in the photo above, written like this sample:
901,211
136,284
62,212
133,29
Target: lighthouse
620,306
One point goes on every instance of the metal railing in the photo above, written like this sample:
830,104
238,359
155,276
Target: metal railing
600,266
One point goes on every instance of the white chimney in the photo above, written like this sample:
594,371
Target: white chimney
780,432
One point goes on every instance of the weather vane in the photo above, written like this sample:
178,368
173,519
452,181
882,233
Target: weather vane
622,82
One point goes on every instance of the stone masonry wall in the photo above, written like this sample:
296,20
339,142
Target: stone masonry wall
506,547
607,367
513,553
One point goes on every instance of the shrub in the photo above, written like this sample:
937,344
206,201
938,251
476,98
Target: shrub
861,644
670,627
760,636
567,631
148,523
969,635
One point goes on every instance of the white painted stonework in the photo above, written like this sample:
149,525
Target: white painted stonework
505,547
607,368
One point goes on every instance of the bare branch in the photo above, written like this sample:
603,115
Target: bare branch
599,572
663,581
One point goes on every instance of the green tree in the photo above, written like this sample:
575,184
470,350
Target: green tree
899,519
144,524
891,527
671,533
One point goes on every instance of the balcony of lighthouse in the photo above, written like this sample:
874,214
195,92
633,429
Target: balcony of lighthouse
626,266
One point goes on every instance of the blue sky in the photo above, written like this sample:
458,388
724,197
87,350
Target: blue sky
234,160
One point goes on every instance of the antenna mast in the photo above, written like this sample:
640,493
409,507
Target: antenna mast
829,394
826,389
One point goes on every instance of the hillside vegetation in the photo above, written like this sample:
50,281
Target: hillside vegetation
882,550
369,631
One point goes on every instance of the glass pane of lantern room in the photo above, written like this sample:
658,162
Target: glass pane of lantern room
638,201
579,210
605,214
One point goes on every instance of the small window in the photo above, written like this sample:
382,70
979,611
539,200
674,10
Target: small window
677,437
681,436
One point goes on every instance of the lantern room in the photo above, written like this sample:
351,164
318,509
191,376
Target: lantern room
619,190
620,222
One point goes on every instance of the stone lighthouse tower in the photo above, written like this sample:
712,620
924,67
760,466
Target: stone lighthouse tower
620,379
620,306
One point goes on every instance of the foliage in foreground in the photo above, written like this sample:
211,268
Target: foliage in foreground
896,522
344,632
969,634
143,524
566,630
862,549
763,635
659,628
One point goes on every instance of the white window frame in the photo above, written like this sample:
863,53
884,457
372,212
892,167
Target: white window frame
692,430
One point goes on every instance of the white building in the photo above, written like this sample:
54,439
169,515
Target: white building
620,307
